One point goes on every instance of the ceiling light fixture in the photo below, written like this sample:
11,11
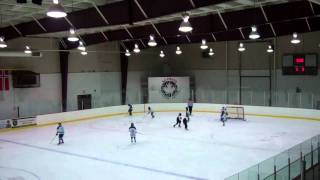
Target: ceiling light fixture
136,48
84,53
72,36
161,54
295,39
185,25
178,51
152,42
81,47
241,47
204,44
270,49
56,10
211,53
27,50
254,33
127,53
3,44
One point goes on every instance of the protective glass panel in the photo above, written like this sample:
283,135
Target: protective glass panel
281,160
308,160
295,168
283,174
266,168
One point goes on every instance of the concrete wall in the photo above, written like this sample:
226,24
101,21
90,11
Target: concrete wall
98,74
217,78
32,101
47,64
103,86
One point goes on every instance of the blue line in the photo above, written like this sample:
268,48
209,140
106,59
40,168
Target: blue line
104,160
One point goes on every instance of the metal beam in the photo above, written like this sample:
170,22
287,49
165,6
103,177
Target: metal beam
311,7
69,22
222,20
123,46
63,44
142,43
243,37
155,28
159,34
40,25
166,18
16,29
38,11
99,12
124,61
192,3
64,61
188,38
316,1
214,37
105,36
264,13
307,22
125,28
141,9
164,39
273,31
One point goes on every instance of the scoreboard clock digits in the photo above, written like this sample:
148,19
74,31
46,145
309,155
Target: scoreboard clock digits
300,64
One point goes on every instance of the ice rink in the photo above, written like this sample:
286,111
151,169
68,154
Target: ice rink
101,149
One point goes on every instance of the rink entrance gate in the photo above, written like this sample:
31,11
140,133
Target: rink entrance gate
84,101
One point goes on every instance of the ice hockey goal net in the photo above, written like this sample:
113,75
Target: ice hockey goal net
235,112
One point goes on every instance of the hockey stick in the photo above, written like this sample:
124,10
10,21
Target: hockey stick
53,139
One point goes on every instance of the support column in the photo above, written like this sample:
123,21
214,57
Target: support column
64,59
124,74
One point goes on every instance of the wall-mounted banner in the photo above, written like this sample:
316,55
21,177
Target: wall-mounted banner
6,123
23,122
168,89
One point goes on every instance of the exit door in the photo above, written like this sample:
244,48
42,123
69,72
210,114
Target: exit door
84,101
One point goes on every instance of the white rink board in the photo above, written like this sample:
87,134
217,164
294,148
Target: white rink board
86,114
176,107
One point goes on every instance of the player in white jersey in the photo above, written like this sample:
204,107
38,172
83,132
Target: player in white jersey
133,132
179,118
60,132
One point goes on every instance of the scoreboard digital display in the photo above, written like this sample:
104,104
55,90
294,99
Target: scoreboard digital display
300,64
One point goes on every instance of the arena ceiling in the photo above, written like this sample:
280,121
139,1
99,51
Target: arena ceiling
132,21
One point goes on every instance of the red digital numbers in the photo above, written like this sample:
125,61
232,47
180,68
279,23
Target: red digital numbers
299,69
299,60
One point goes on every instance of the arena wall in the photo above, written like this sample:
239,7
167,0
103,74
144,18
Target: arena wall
216,79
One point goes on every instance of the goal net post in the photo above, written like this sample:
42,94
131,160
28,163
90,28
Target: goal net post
235,112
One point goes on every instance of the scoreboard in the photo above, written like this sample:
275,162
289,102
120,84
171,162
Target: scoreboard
300,64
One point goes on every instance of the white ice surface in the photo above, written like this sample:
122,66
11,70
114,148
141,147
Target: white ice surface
101,149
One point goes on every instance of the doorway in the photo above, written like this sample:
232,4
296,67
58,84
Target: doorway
84,101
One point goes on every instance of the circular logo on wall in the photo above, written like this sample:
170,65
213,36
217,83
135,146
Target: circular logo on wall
15,122
169,88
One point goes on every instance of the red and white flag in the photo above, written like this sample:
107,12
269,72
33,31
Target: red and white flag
4,80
